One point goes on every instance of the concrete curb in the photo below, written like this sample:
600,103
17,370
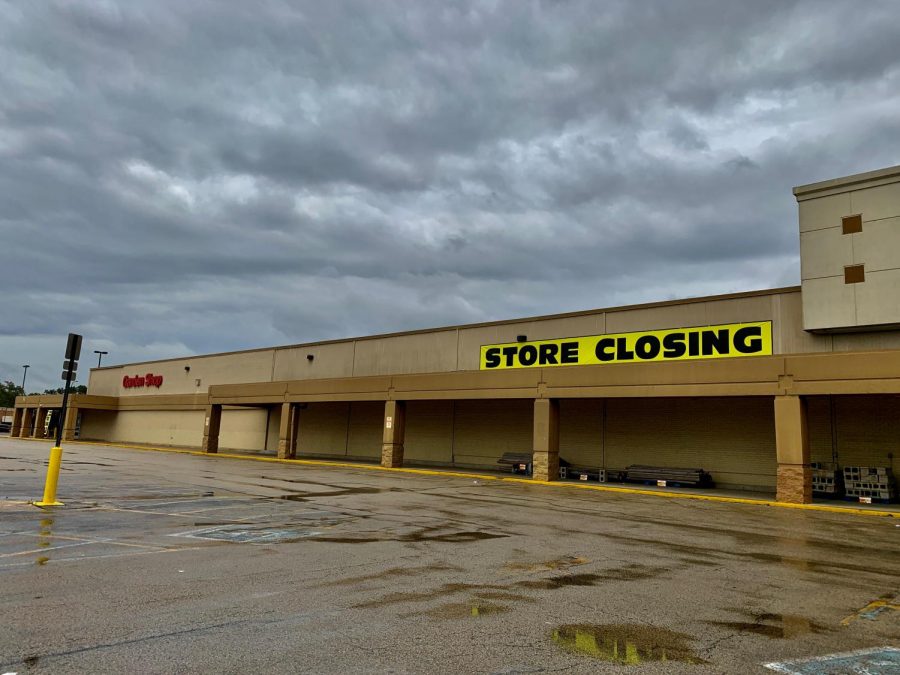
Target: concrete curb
525,481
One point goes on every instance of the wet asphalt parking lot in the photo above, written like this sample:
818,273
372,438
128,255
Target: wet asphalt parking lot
174,563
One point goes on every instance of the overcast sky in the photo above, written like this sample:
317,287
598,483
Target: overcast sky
188,176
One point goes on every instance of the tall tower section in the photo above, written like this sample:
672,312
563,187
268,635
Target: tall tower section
850,252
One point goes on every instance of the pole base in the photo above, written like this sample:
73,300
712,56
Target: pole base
48,503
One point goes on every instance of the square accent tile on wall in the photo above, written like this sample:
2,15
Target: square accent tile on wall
851,224
854,274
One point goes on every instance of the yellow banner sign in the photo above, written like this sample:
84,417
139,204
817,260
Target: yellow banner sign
674,344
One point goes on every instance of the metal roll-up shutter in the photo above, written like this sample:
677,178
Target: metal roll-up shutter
162,427
323,429
818,423
484,430
243,429
581,431
732,438
365,429
868,430
429,432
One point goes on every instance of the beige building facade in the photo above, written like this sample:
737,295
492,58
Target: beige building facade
752,387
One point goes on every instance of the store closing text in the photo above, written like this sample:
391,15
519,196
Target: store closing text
705,342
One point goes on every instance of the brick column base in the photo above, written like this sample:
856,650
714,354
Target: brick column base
545,466
286,438
794,484
392,455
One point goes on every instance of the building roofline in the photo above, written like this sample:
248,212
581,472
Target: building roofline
484,324
848,181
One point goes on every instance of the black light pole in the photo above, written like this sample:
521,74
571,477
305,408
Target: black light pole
24,375
73,351
100,356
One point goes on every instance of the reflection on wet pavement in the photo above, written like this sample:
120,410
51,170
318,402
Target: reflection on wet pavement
886,603
773,625
394,572
427,534
44,534
626,643
556,564
463,610
628,573
470,577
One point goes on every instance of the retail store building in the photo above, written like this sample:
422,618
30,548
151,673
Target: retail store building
752,387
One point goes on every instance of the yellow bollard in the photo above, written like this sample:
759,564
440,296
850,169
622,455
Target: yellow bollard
52,479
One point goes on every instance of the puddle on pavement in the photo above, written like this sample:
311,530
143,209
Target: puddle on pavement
75,462
395,572
421,596
700,561
180,495
626,643
306,496
781,626
248,533
452,537
463,610
562,582
421,536
335,491
556,564
627,573
632,572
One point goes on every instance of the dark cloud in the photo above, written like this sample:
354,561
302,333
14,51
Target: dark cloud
182,177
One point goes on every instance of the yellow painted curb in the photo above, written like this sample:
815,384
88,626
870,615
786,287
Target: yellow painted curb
525,481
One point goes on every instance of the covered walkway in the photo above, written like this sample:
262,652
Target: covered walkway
750,417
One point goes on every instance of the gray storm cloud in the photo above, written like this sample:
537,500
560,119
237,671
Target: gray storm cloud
181,177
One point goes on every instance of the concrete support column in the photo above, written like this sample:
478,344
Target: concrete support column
39,419
394,430
16,427
545,463
211,428
287,436
69,424
794,482
27,421
295,429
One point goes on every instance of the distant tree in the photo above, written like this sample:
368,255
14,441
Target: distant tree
8,392
80,389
